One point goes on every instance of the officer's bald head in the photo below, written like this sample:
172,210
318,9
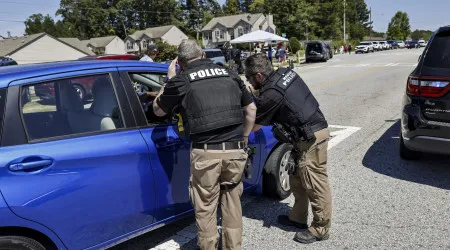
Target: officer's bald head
189,50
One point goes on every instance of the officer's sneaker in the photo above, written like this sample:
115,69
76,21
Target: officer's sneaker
306,237
285,221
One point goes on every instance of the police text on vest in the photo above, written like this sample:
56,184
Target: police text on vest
207,72
288,77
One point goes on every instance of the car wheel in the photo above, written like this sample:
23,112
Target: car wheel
406,153
19,243
275,174
80,91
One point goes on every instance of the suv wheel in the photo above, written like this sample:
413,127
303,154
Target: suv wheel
19,243
406,153
275,174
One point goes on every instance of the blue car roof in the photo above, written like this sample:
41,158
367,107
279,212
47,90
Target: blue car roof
16,72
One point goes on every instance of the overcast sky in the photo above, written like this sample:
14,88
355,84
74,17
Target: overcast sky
423,14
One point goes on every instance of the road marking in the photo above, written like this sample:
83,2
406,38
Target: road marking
339,135
181,238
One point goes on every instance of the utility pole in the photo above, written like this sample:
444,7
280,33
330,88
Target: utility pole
345,37
370,26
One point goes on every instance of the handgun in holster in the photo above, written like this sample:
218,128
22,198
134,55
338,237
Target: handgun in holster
281,134
249,164
307,133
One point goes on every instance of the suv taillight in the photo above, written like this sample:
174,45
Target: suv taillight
428,87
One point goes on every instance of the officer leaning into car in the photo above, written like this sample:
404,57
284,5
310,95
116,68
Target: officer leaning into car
218,115
286,102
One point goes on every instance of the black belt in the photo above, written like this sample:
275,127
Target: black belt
319,126
229,145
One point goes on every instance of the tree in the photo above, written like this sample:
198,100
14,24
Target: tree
257,6
245,5
38,23
399,27
294,44
166,51
231,7
421,34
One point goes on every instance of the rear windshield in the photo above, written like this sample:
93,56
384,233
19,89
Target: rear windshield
211,54
438,55
317,47
2,109
364,43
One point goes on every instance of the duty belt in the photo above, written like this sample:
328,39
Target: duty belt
219,146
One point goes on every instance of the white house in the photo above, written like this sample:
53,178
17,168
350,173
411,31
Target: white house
38,48
106,45
139,40
221,30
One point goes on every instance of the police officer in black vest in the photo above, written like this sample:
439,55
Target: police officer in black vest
286,102
218,115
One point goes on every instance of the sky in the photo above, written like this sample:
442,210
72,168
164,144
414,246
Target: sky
429,14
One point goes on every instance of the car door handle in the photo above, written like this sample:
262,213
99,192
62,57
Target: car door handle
171,143
22,166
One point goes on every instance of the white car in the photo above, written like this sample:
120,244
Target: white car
384,45
422,43
401,44
364,47
376,46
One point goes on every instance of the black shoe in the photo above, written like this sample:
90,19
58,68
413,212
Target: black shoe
285,221
307,237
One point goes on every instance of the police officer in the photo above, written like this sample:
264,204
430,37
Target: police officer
286,101
218,114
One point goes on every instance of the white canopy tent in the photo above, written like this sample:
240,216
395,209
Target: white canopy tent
258,36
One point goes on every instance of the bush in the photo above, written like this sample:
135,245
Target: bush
294,44
166,51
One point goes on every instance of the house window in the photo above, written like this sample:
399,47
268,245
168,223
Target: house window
240,31
217,34
144,44
129,45
247,29
221,34
207,35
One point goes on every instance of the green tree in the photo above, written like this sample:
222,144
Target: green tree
399,27
257,6
231,7
166,51
421,34
38,23
245,5
294,44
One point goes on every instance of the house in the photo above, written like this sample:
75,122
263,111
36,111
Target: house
139,40
106,45
221,30
81,45
38,48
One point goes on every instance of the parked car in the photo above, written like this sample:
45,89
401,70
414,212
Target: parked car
90,175
425,121
377,46
422,43
7,61
401,44
364,47
393,44
215,55
412,45
317,51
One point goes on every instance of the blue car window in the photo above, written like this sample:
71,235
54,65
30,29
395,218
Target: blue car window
2,108
70,106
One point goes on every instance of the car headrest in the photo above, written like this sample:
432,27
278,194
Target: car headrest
104,98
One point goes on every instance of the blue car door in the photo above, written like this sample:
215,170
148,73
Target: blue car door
75,163
169,154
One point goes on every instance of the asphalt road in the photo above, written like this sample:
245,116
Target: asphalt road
379,200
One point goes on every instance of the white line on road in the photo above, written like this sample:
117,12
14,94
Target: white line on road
340,135
189,233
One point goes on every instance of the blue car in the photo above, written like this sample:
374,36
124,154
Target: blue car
90,173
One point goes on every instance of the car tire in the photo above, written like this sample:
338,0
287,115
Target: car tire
20,243
81,92
406,153
275,178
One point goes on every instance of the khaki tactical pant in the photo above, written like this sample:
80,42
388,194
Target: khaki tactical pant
310,184
209,170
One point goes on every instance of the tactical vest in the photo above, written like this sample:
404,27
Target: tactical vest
299,105
212,100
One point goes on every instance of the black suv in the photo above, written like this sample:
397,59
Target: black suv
426,104
318,51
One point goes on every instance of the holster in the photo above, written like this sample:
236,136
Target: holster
281,134
249,164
